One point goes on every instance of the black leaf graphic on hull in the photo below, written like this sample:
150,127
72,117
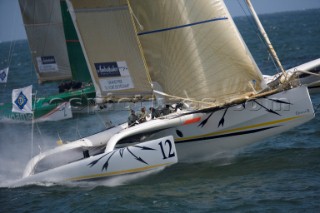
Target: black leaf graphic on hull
96,161
203,123
268,110
279,101
137,158
221,122
144,148
106,164
121,152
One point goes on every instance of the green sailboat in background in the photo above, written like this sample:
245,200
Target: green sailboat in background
57,56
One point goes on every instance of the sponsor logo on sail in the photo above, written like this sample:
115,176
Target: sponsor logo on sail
110,69
47,64
48,60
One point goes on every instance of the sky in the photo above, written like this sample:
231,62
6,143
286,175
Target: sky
272,6
11,27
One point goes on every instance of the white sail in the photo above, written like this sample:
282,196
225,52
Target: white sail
111,48
194,50
43,23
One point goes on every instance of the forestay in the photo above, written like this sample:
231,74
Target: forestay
194,50
43,23
111,47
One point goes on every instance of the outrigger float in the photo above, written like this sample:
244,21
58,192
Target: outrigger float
83,160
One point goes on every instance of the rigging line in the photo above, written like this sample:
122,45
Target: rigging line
139,43
12,44
185,99
23,8
47,31
134,16
77,126
266,38
255,29
38,128
307,72
32,122
40,133
33,28
11,52
251,21
32,134
99,117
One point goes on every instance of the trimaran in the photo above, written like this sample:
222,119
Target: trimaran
186,51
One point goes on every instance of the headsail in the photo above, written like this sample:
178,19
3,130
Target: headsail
193,49
111,48
44,27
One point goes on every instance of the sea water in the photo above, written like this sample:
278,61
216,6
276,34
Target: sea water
281,174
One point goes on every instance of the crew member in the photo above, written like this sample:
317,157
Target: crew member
132,119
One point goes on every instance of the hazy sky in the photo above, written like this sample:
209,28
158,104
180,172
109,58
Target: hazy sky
11,27
272,6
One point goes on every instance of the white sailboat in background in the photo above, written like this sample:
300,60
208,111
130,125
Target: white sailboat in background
194,53
57,57
44,27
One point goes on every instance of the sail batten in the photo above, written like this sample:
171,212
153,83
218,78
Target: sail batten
114,8
182,26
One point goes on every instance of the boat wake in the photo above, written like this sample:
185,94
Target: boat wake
15,151
114,181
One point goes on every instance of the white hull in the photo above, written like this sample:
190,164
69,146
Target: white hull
239,127
151,155
201,136
61,112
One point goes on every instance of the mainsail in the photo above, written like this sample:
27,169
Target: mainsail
44,28
194,50
111,48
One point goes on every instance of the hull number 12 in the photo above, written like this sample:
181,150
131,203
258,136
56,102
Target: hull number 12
166,149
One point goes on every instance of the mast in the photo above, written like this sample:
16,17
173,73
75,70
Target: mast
265,36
